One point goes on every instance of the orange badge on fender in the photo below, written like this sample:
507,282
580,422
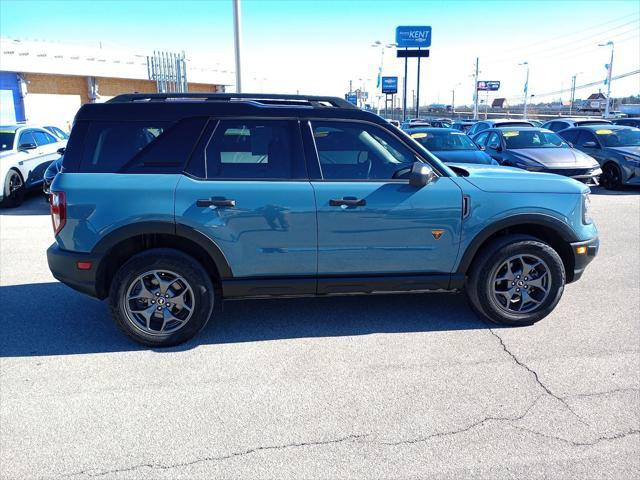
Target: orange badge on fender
437,233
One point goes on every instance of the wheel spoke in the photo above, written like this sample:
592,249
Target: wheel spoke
147,314
144,293
539,282
526,298
167,317
508,275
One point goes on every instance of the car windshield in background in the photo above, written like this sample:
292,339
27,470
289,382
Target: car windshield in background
517,139
444,141
619,138
6,140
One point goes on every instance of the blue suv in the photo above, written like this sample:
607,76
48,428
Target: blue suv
169,203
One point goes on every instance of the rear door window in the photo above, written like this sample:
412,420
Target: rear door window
43,138
250,149
584,137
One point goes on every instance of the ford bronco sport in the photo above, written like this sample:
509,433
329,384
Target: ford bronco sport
169,203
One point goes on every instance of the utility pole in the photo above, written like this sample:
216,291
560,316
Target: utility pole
573,93
609,69
453,102
237,40
404,93
418,90
526,90
475,91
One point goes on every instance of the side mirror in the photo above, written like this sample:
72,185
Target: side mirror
27,146
481,147
61,151
421,175
590,145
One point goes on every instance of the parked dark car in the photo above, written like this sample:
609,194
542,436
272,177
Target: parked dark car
615,147
562,123
463,125
628,122
50,173
450,145
496,123
538,150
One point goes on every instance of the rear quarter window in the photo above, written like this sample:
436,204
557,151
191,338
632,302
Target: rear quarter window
139,147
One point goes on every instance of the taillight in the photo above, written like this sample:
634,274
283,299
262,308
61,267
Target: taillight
58,205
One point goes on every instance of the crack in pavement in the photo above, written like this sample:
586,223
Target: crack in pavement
581,444
465,429
536,377
607,392
160,466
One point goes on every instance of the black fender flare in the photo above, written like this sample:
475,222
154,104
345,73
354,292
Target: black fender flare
106,244
539,219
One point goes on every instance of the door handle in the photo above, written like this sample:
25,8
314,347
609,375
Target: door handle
216,202
348,202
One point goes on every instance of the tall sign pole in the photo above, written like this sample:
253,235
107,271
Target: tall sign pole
418,90
415,40
404,91
237,40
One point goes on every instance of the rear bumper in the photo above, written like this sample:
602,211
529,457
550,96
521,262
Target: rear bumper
581,260
64,267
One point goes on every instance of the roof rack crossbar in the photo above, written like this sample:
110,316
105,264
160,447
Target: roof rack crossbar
270,99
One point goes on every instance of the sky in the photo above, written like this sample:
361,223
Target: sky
318,47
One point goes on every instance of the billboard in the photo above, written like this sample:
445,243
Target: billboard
390,85
488,86
413,37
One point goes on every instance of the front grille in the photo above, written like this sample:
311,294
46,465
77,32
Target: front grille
572,172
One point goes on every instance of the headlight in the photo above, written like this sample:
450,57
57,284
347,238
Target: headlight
635,161
586,213
529,164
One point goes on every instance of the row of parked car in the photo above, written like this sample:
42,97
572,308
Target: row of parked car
594,151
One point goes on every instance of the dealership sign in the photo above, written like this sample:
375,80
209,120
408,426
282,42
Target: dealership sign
488,86
413,37
389,84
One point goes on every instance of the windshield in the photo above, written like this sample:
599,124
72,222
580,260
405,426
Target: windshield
516,139
444,141
6,140
619,138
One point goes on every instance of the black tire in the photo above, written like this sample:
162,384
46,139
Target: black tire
611,177
13,190
169,260
480,283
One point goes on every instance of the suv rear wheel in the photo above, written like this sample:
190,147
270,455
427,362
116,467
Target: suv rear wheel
161,297
516,280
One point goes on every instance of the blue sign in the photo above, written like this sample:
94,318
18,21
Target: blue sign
351,98
413,37
488,86
389,84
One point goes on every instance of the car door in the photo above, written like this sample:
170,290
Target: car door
494,146
29,158
248,191
481,140
370,220
48,148
589,144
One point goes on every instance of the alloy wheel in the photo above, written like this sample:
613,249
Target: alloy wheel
521,284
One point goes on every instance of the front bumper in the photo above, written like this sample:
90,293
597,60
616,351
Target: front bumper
585,175
583,254
64,267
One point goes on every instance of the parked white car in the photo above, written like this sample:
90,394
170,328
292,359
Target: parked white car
25,153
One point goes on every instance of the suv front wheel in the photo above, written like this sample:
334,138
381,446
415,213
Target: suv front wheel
516,280
161,297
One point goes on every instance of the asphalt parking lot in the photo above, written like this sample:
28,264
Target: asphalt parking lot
395,386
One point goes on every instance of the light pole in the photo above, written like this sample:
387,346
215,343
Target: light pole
526,89
237,40
453,99
382,47
609,68
573,91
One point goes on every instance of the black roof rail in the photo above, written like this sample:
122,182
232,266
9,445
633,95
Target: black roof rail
259,98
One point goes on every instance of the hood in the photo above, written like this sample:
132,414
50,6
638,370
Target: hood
515,180
633,150
554,157
464,156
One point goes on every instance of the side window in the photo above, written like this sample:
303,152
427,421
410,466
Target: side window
355,151
109,146
585,137
27,137
481,127
493,142
482,138
570,136
253,149
43,138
